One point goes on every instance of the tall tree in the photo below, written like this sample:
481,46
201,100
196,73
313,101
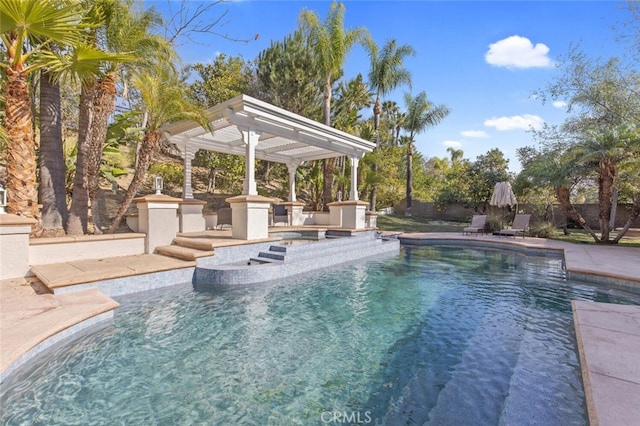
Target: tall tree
603,99
387,73
165,99
330,43
27,28
420,115
226,77
52,189
287,76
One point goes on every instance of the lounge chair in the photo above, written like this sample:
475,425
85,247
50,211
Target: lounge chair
520,224
477,225
280,214
224,218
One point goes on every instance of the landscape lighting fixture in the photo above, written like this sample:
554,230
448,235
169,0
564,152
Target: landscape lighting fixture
158,184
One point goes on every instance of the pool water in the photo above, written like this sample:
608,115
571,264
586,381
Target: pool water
437,335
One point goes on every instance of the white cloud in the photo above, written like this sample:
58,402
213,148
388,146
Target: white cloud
518,52
516,122
474,134
452,144
560,104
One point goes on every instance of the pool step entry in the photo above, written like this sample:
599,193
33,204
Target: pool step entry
473,392
283,253
187,248
279,260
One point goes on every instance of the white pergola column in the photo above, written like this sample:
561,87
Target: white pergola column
353,196
292,167
250,138
188,154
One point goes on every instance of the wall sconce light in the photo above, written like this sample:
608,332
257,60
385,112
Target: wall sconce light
159,184
3,199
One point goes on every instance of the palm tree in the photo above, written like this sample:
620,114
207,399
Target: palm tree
124,32
330,43
27,28
165,99
386,74
456,155
605,149
395,119
420,115
52,189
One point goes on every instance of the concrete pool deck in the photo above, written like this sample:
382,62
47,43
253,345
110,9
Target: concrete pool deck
608,336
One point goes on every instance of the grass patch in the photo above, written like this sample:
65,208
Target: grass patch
397,223
580,236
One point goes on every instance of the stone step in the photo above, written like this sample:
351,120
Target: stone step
321,248
30,323
184,253
204,244
276,255
263,259
475,392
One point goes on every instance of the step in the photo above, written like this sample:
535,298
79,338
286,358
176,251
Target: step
321,248
262,259
474,394
204,244
276,255
184,253
530,388
30,324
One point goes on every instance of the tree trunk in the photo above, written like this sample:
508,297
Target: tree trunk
562,195
52,166
327,182
22,187
148,148
635,212
327,164
606,179
377,110
77,222
104,104
409,178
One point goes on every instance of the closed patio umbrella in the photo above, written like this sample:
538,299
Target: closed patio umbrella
503,196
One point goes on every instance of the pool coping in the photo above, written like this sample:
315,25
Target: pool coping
603,265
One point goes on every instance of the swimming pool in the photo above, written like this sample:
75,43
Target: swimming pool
439,335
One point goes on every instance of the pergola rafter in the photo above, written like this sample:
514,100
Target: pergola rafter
257,130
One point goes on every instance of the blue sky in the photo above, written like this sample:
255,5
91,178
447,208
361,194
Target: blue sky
483,59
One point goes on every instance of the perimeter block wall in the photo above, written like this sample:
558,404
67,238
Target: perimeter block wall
459,212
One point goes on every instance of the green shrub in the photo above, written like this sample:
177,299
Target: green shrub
544,230
493,223
172,174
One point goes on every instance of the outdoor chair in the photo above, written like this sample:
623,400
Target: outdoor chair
520,224
280,214
477,225
224,217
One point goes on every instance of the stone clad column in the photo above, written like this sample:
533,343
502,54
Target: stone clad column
294,211
249,217
353,214
191,215
157,217
14,245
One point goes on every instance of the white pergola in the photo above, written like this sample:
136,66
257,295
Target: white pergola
257,130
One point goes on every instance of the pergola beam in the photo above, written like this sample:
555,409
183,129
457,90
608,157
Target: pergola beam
257,130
